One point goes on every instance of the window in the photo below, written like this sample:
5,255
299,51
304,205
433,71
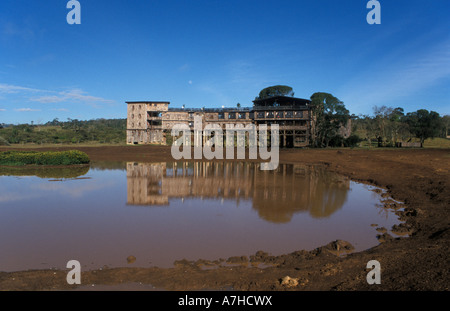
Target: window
221,115
279,114
232,115
241,115
269,114
260,115
288,114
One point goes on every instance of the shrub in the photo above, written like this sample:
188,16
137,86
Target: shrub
3,142
352,141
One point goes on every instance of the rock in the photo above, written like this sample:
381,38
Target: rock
287,281
385,237
131,259
381,229
401,229
340,245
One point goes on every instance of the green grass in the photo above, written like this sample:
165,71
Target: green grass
21,158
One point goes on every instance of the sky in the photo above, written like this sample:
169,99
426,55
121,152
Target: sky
208,53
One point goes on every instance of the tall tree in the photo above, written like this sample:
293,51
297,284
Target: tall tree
276,90
424,124
330,115
446,126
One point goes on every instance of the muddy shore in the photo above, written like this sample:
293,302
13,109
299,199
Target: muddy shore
417,261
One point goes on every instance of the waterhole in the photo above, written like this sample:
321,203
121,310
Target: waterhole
158,213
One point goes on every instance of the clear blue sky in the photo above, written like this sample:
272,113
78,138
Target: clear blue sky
218,53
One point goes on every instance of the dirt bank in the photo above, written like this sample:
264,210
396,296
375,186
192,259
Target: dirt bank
420,178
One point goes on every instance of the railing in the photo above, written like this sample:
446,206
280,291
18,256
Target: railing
274,108
236,109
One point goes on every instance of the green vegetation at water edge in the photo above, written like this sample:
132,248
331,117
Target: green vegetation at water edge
20,158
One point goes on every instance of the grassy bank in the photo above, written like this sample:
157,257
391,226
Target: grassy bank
21,158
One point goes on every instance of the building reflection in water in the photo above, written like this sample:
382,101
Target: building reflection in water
275,195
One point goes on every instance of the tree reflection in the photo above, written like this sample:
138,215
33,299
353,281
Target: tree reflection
276,195
46,172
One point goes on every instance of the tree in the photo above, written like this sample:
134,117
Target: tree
446,126
364,126
424,124
276,90
390,126
330,115
381,120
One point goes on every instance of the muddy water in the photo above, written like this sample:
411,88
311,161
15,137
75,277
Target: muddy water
162,212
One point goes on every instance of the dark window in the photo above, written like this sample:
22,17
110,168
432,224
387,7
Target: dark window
269,114
155,114
232,115
241,115
288,114
156,123
279,114
221,115
260,115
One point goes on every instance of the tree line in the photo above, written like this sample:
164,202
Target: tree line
72,131
389,126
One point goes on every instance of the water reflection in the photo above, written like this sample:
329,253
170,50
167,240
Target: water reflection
276,195
45,172
163,212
